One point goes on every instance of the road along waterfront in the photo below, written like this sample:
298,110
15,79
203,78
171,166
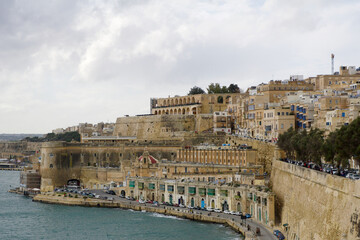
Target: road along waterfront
22,218
233,221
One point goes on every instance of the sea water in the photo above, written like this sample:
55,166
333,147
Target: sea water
21,218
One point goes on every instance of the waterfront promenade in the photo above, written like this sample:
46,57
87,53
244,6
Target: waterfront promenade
235,222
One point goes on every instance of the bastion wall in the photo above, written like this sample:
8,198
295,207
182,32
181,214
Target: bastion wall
315,205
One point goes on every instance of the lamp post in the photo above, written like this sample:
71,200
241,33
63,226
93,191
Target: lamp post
287,227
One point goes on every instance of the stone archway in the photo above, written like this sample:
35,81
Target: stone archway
170,199
202,203
123,193
213,204
238,207
225,206
181,201
192,202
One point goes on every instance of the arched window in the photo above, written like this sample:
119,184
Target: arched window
220,99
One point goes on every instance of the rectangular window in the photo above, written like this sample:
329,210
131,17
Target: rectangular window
224,193
181,189
192,190
202,191
132,184
170,188
141,186
211,192
151,185
162,187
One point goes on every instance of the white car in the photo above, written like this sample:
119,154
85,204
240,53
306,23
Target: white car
238,213
217,210
355,177
232,213
141,201
349,175
227,211
210,209
190,207
180,205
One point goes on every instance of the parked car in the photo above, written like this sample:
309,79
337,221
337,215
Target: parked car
210,209
350,175
238,213
141,201
355,177
232,213
279,235
217,210
111,192
248,215
227,211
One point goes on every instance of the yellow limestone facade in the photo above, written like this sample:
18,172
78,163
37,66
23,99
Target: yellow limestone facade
315,205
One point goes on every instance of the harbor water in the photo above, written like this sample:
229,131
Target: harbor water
20,218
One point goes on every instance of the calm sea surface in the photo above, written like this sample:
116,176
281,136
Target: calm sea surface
20,218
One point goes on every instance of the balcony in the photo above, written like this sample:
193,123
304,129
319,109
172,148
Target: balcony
181,190
224,193
170,188
192,190
202,191
182,105
211,192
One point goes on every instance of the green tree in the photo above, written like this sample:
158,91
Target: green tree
285,144
314,145
196,90
216,88
234,88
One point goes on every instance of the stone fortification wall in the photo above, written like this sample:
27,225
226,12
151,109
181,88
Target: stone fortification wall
162,126
266,152
316,205
19,148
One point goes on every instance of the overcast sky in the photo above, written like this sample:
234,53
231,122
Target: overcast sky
65,62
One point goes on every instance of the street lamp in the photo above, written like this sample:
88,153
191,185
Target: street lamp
287,227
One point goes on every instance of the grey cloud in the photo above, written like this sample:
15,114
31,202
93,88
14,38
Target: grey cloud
96,60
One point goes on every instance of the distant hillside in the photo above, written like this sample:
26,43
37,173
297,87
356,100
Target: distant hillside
17,137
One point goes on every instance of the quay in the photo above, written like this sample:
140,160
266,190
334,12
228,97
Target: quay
197,215
11,169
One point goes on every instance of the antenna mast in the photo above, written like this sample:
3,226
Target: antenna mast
332,64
